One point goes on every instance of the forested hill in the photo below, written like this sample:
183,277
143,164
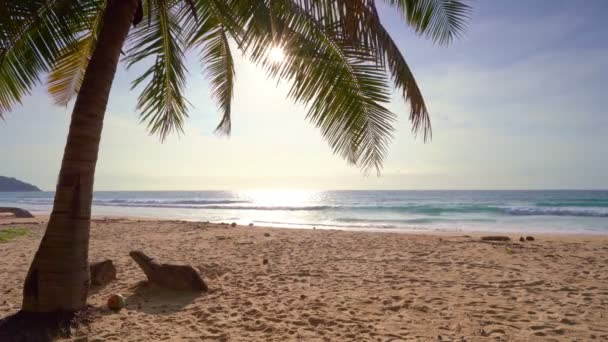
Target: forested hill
12,184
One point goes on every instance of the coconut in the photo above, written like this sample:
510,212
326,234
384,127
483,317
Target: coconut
116,302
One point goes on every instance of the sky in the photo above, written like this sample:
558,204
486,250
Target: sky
518,103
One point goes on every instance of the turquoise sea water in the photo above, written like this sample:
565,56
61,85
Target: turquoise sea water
574,211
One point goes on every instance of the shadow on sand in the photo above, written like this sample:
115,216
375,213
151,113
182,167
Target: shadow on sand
158,301
25,326
22,326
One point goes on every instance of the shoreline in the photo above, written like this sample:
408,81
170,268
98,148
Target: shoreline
7,220
321,285
511,212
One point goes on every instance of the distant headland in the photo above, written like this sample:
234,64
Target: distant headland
12,184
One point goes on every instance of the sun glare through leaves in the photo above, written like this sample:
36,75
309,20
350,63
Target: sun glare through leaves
276,54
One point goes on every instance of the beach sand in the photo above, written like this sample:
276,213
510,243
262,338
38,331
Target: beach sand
328,285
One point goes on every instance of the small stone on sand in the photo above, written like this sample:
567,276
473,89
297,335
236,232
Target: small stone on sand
315,321
102,272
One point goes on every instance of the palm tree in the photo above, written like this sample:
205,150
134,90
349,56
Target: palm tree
339,61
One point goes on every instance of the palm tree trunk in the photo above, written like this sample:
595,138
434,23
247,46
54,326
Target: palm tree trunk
58,278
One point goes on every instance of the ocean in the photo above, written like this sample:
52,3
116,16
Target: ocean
572,211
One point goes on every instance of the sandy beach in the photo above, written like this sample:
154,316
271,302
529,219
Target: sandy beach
329,285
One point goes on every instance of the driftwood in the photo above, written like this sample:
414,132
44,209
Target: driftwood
102,272
176,277
495,238
18,212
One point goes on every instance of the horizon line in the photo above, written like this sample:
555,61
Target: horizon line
337,190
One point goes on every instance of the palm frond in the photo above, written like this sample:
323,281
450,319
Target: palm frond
440,20
219,65
34,34
344,89
403,78
337,57
66,77
208,33
358,22
161,104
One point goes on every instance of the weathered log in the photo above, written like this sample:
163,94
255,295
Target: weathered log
18,212
102,272
495,238
176,277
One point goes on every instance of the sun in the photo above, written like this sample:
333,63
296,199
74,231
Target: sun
276,54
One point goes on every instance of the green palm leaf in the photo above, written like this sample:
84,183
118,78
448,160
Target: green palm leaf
403,78
219,65
440,20
339,58
208,33
66,77
34,34
343,87
161,102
